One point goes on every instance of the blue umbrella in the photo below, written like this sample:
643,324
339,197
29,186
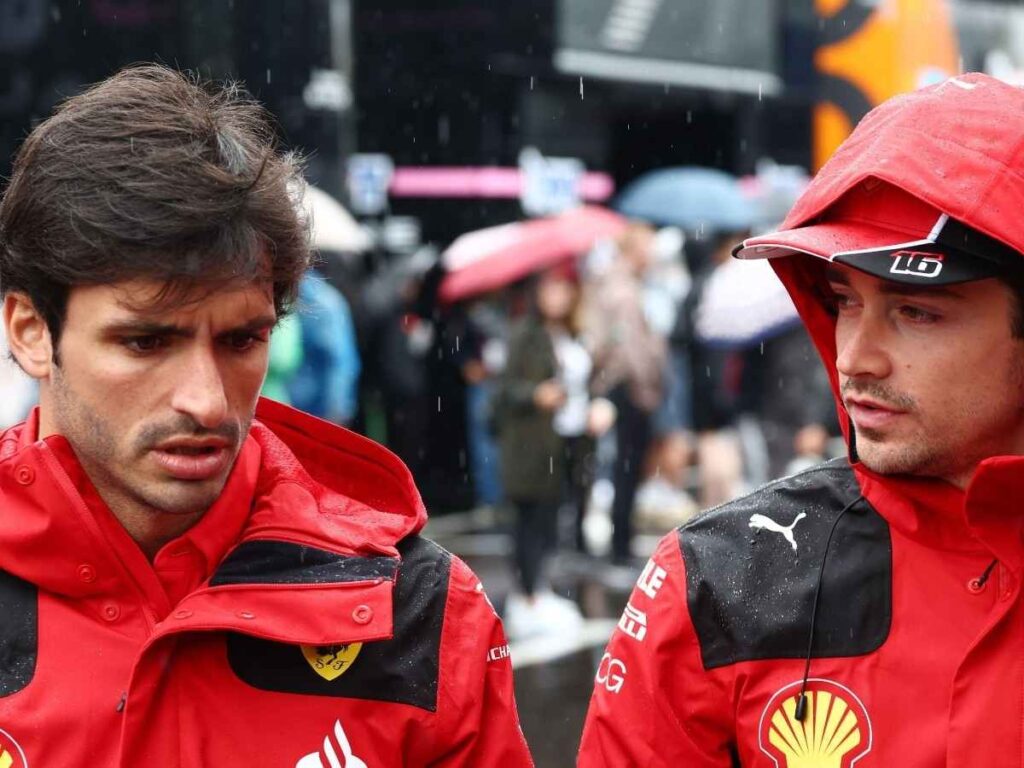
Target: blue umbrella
689,197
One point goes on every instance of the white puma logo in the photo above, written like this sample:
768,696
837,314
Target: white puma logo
760,521
350,761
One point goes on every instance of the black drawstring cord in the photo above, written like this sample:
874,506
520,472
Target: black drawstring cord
979,582
801,703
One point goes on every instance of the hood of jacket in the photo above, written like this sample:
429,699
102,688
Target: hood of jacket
306,482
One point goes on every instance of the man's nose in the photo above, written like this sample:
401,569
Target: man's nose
199,391
860,347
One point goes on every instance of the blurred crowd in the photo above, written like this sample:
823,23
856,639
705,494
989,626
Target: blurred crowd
591,375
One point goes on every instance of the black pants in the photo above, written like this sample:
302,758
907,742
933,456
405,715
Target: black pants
632,437
579,477
536,527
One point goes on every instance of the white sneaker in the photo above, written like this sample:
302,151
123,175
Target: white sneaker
522,619
558,614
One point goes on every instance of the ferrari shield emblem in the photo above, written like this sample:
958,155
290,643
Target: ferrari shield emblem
331,661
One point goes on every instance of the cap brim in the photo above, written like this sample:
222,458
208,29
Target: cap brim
825,240
883,253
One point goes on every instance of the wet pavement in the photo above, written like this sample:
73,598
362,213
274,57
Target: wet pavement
553,672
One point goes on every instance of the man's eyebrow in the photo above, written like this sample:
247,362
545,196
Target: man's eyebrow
261,323
140,327
834,275
903,289
144,328
891,288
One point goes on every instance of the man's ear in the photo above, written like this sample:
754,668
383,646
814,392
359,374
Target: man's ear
28,335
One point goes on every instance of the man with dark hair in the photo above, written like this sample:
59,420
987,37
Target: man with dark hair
868,611
190,576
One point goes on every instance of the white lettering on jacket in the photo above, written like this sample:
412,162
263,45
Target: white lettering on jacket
652,579
634,623
611,673
498,653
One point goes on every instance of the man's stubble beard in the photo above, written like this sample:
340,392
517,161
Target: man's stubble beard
936,453
96,449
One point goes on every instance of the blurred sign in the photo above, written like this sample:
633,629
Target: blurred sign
728,45
868,52
483,182
327,89
368,178
550,184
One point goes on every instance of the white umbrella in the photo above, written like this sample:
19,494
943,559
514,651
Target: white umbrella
742,306
334,228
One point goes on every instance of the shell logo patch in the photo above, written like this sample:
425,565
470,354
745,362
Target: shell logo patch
835,732
11,753
328,661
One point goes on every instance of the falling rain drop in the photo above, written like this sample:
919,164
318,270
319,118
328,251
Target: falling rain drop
531,82
268,75
581,89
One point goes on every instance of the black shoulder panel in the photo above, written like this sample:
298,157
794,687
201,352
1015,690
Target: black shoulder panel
283,562
750,592
19,633
403,669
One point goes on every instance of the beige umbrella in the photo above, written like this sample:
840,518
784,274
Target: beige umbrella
334,228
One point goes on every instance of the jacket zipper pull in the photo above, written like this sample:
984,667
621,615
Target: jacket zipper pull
123,702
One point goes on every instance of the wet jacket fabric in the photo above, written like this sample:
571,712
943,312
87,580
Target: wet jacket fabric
303,622
915,656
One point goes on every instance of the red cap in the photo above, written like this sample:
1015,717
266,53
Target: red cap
952,159
885,232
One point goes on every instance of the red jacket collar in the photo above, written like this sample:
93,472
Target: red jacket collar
305,480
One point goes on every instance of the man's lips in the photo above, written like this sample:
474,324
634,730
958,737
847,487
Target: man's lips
871,414
193,459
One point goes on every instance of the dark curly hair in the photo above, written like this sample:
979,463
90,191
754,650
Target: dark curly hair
152,174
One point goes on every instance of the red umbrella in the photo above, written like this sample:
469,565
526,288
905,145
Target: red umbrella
488,259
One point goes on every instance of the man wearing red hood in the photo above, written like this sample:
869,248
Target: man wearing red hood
866,612
189,577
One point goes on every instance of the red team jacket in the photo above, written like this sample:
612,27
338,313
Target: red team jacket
918,640
302,623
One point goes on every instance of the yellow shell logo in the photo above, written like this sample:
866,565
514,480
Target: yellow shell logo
329,661
11,754
835,731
